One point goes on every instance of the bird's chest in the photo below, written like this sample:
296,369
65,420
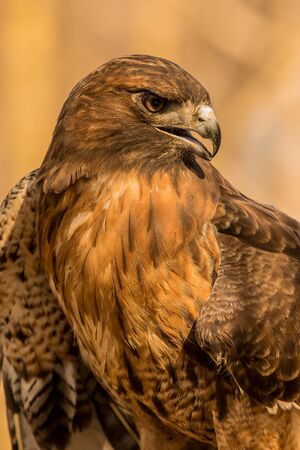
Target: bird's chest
146,255
138,267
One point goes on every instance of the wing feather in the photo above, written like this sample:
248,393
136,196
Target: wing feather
250,323
45,382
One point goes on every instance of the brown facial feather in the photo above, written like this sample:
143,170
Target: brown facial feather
132,231
100,128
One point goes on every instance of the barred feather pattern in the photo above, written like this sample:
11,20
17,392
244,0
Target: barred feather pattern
44,379
40,361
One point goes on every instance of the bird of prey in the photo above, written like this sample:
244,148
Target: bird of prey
52,400
183,294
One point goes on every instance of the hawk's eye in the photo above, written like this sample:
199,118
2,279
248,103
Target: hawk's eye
153,102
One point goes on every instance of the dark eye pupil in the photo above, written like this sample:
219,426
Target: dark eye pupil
156,101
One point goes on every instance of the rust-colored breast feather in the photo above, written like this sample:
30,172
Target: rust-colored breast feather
133,260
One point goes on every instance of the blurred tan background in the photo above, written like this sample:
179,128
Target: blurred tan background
245,52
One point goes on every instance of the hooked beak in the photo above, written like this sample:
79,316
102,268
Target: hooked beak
205,125
208,128
209,131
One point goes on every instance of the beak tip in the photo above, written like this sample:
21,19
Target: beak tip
209,128
216,138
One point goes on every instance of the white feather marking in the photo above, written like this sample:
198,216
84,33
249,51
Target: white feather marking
206,112
76,222
284,406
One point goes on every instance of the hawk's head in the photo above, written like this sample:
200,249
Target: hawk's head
132,110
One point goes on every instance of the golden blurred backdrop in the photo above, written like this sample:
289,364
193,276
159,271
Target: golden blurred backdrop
245,52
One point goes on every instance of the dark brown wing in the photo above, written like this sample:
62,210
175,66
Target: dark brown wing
250,324
58,402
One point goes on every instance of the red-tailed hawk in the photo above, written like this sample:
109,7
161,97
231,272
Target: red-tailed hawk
183,294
